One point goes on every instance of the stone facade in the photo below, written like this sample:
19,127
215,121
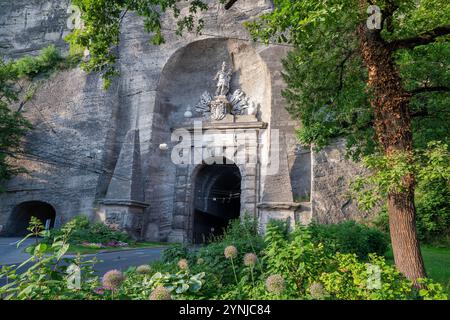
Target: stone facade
100,153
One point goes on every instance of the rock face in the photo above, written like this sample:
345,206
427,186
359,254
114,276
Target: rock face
101,153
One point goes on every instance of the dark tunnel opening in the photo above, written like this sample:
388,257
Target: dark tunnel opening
217,200
22,213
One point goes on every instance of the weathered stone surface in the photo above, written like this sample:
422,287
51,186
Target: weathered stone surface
331,177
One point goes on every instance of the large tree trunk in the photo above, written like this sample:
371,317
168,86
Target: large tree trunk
390,103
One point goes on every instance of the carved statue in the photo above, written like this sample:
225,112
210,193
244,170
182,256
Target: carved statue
223,103
223,78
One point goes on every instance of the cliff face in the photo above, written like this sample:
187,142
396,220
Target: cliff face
80,129
28,26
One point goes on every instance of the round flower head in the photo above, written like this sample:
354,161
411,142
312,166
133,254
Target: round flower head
200,261
113,279
160,293
230,252
183,264
250,259
144,269
275,284
316,290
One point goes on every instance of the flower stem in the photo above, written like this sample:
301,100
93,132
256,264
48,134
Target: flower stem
234,271
251,272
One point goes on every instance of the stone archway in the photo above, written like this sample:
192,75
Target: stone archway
22,213
216,200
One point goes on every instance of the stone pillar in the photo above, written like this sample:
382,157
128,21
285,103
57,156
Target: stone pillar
124,205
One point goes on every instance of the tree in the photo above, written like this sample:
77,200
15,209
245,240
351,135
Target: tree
12,124
366,78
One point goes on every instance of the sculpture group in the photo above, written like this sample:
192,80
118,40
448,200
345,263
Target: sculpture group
223,103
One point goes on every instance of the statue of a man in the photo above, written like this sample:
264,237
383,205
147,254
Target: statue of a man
223,78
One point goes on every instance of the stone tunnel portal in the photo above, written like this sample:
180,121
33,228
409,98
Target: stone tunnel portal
22,213
217,200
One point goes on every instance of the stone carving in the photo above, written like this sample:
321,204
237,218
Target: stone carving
219,108
203,105
224,103
239,102
223,78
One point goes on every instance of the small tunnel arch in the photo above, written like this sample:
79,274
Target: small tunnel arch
217,199
22,213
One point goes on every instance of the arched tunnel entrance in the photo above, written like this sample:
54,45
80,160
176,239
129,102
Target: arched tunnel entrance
217,200
22,213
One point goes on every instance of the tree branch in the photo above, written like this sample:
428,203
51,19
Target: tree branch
422,39
430,89
341,68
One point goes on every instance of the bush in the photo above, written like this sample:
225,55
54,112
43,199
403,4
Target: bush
47,61
350,237
175,253
84,231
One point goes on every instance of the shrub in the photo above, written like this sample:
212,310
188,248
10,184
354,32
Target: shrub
175,253
48,59
350,237
297,258
96,233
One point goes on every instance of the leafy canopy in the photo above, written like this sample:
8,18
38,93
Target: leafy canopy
326,78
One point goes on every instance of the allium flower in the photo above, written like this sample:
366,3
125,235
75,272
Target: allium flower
144,269
275,284
316,290
113,279
200,261
160,293
100,290
230,252
183,264
250,259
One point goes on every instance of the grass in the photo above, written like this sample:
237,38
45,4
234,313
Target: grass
74,249
437,264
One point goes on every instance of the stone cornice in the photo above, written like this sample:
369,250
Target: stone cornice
125,203
224,125
280,205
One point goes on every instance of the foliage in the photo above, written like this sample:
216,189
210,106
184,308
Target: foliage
366,84
355,280
85,231
350,237
48,274
288,266
101,22
175,253
47,61
13,125
432,169
181,285
296,257
326,78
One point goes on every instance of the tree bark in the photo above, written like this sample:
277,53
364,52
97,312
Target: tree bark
392,121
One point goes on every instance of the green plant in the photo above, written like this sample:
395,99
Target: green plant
180,285
175,253
296,257
87,232
374,280
350,237
51,275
